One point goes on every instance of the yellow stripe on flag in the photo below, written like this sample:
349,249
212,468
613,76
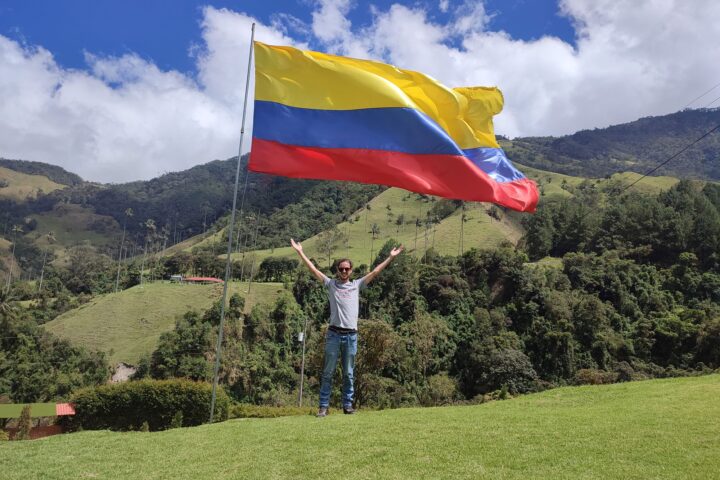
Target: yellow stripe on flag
314,80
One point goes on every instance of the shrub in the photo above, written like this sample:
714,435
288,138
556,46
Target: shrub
511,369
441,390
503,392
126,406
25,424
177,420
4,437
592,376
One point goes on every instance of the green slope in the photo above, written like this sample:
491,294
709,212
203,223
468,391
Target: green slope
127,325
660,429
21,186
480,229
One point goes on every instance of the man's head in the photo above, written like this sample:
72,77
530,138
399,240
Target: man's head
344,269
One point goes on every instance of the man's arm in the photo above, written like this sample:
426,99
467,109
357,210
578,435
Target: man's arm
375,271
298,248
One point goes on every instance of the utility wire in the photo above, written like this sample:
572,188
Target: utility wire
698,98
709,104
672,157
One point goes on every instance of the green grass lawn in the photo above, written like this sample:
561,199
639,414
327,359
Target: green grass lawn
660,429
127,325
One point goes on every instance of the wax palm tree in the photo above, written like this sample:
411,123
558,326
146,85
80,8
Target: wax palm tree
8,307
128,214
15,230
50,236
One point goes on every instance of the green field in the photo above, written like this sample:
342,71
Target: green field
660,429
72,225
21,186
648,185
127,325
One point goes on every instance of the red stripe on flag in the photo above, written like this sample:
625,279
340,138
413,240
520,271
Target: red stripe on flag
450,176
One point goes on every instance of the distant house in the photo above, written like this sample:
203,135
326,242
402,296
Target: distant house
176,278
42,413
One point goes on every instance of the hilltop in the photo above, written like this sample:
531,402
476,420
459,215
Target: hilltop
635,146
653,429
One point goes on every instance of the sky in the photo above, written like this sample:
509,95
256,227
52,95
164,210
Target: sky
117,91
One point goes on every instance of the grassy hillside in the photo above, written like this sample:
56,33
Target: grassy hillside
128,324
480,229
648,185
660,429
74,225
21,186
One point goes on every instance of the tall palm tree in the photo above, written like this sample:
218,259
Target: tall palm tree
50,236
149,236
128,213
15,230
8,308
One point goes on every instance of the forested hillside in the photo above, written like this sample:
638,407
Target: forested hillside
606,284
636,295
636,146
187,203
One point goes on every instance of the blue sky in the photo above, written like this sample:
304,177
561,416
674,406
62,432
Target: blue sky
125,90
164,30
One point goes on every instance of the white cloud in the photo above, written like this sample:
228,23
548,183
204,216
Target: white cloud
633,58
125,119
470,17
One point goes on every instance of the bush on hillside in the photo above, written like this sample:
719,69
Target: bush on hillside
126,406
592,376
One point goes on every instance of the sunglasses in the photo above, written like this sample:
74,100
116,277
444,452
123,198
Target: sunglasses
344,269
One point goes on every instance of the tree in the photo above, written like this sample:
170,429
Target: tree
24,424
328,242
382,355
15,230
50,237
128,214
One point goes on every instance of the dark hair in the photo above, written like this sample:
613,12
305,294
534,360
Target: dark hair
337,263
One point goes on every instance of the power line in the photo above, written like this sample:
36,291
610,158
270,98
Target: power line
709,104
698,98
672,157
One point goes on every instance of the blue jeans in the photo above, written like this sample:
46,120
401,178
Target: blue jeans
343,346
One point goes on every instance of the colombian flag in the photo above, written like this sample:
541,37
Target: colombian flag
337,118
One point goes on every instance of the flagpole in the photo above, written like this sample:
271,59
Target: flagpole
228,261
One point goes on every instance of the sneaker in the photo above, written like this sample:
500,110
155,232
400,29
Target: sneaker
348,410
322,412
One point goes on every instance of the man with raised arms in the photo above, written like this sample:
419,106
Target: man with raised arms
341,338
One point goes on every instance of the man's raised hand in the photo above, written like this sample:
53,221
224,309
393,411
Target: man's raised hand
396,251
296,245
